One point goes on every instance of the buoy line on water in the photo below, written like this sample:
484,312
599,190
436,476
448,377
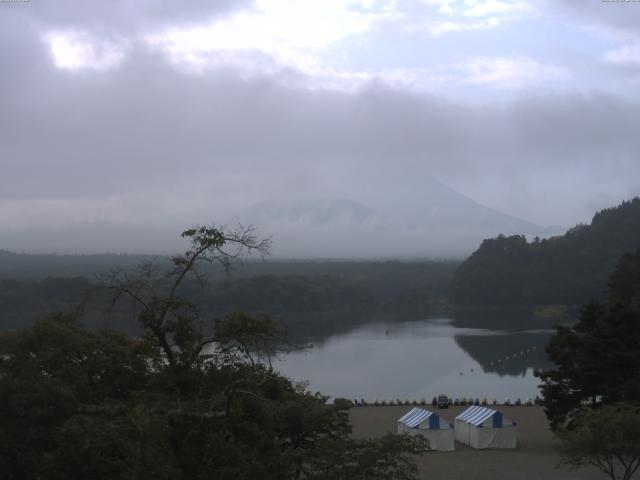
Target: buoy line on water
502,360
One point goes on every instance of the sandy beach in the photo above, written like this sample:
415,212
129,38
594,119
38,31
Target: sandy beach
535,457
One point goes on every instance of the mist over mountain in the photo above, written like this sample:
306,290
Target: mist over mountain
310,211
424,219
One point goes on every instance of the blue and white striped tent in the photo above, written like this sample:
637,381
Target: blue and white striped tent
436,430
482,427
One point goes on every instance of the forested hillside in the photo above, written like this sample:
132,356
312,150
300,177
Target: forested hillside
343,292
383,278
571,269
22,265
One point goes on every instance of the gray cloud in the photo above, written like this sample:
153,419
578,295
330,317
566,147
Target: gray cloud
144,143
620,15
119,16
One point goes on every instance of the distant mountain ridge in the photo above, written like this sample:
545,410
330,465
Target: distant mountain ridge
416,216
427,219
22,265
569,269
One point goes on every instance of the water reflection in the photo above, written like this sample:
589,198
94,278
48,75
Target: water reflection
509,353
510,318
419,359
319,327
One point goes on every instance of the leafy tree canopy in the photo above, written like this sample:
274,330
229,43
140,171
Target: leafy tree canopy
176,403
607,438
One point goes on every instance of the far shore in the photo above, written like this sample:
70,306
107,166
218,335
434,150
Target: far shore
535,458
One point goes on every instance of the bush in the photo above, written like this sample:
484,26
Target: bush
607,438
343,403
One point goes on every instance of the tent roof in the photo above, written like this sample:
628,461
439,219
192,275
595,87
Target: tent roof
476,415
415,417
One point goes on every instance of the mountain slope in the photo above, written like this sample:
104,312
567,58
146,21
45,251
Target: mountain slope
571,269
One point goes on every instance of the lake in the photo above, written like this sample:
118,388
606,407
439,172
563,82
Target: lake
420,359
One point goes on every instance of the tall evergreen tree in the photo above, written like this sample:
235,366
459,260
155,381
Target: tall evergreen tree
598,359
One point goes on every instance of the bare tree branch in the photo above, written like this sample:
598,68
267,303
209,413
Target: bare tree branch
175,323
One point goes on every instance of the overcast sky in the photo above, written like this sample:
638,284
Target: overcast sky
150,111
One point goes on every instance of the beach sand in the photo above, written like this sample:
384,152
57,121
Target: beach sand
535,458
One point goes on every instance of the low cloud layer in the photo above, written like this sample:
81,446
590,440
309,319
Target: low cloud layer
131,135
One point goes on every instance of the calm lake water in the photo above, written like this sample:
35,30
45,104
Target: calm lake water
420,359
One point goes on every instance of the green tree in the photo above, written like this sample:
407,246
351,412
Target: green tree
184,401
172,323
597,359
48,374
607,438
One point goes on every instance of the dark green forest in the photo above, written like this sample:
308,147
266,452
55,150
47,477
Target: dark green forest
309,296
571,269
338,295
36,266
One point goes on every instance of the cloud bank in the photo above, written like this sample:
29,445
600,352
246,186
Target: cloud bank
145,115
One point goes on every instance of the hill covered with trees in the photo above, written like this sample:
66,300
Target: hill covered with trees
569,269
309,298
